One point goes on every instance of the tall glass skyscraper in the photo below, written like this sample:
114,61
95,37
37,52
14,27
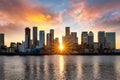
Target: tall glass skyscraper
111,40
91,40
27,38
48,40
67,31
51,38
42,38
74,37
1,39
84,39
34,37
101,39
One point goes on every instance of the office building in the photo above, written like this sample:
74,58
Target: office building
27,38
84,40
101,39
34,37
48,40
74,37
42,38
91,40
51,38
67,31
1,39
111,40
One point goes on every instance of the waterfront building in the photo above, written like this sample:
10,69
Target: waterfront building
34,37
84,40
27,38
48,40
42,38
111,40
2,39
101,39
91,40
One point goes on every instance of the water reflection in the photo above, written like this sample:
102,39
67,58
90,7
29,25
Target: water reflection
60,68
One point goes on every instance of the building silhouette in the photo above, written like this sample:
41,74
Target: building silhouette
91,40
111,40
51,38
42,38
84,40
67,31
101,39
74,37
27,38
34,37
2,39
67,40
48,40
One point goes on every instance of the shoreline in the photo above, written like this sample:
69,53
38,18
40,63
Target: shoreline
43,54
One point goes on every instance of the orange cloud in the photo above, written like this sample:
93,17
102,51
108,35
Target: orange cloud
15,15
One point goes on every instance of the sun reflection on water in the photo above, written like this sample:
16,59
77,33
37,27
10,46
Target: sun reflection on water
61,64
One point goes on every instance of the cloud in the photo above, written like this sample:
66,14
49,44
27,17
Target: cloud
109,23
90,10
24,12
99,13
15,15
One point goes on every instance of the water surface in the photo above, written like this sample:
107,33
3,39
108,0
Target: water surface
59,67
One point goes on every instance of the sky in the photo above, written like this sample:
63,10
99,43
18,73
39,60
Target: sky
79,15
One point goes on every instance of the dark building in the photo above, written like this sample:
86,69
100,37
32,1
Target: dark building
27,38
2,39
84,40
111,40
101,39
48,40
67,31
34,37
42,38
91,40
51,38
67,41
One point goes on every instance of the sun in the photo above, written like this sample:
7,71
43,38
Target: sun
61,47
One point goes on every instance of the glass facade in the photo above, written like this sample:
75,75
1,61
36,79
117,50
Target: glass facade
110,40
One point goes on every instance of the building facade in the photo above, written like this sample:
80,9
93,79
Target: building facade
111,40
91,40
101,39
48,40
84,40
42,38
51,38
2,39
34,37
27,38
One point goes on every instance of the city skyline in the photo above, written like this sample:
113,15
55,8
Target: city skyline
46,39
80,15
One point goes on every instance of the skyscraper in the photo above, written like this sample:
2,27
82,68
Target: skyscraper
110,40
91,40
74,37
48,40
84,39
42,38
67,31
34,37
67,41
1,39
51,37
27,38
101,39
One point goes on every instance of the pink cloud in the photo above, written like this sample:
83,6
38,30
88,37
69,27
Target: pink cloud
81,11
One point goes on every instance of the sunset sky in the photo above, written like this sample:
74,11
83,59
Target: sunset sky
80,15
